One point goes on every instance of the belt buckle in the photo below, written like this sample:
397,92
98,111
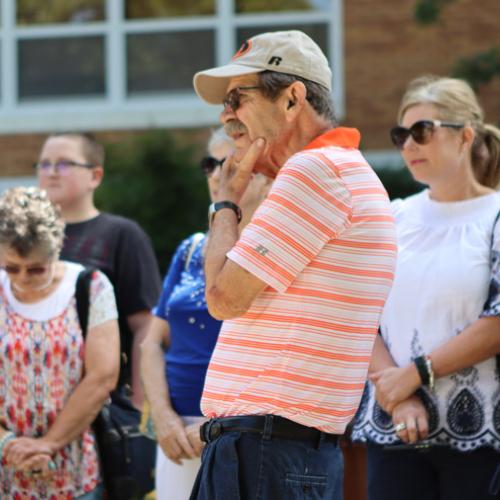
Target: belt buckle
210,430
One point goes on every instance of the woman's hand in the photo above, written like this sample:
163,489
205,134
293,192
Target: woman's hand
411,416
394,385
37,465
20,450
173,439
193,434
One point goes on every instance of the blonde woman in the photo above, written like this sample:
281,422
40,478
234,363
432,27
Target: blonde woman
52,385
434,372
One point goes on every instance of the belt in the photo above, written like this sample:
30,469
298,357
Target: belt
278,427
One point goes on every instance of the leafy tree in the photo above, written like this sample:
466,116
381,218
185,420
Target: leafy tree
59,11
154,181
428,11
399,183
272,5
478,69
164,8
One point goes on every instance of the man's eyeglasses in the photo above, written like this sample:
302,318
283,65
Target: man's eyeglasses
232,99
62,167
31,271
209,164
421,132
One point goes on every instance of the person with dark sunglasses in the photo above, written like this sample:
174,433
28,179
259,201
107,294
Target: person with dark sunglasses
430,411
208,164
421,132
177,349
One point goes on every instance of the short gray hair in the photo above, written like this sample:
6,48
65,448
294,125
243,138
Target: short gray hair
219,137
317,96
30,222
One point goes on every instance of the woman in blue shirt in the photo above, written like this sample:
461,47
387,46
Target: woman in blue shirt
180,341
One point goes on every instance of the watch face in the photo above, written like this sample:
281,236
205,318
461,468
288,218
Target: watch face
211,213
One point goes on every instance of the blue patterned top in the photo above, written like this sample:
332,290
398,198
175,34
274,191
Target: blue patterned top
193,331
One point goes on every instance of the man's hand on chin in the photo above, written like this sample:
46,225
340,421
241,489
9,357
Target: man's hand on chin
236,175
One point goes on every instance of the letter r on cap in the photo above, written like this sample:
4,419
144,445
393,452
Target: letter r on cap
275,60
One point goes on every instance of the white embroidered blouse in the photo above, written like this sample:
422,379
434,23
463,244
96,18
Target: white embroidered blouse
447,276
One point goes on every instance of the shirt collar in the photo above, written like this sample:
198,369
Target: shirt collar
343,137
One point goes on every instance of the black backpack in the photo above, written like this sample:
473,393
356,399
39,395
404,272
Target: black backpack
127,456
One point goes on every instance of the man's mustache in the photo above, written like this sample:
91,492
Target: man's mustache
234,127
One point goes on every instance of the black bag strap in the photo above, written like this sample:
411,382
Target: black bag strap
495,222
82,296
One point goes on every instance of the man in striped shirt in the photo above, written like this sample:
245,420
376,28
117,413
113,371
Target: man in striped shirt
301,291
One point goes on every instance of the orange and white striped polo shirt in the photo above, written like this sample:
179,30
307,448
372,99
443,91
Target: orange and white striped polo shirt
324,242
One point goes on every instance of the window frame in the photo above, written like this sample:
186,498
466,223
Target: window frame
116,109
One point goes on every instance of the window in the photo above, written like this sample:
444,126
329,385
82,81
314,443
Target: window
246,6
152,9
61,67
160,62
109,64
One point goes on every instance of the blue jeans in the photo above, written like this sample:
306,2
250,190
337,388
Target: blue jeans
249,466
435,474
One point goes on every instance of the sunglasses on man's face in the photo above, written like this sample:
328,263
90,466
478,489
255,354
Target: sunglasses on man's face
31,271
62,167
421,132
209,164
233,97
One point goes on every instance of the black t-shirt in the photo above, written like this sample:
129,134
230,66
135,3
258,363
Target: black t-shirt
121,249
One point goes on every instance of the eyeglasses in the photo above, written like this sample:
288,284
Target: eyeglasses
232,99
209,164
31,271
61,166
421,132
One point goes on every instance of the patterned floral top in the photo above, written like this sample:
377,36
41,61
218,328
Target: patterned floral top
41,363
447,276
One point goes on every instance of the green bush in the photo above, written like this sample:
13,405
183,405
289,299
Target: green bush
398,182
157,183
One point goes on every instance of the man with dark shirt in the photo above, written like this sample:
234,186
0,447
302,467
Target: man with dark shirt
70,169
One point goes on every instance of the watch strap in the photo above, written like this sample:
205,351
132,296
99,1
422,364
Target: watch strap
219,205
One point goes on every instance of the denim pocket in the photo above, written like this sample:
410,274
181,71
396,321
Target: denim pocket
300,486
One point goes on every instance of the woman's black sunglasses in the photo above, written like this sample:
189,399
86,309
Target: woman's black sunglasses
209,164
421,132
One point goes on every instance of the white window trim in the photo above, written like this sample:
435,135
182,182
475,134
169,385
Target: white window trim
116,110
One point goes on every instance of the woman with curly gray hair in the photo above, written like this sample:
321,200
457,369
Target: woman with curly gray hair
51,385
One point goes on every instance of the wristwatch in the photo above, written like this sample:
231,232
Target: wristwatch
219,205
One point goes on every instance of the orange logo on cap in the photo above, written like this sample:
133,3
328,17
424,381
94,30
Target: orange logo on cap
243,49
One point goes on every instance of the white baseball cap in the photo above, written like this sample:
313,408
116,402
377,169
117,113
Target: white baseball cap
291,52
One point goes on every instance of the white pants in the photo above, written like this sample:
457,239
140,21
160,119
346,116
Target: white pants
175,482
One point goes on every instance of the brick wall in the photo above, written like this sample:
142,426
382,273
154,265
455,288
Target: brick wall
384,49
19,152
